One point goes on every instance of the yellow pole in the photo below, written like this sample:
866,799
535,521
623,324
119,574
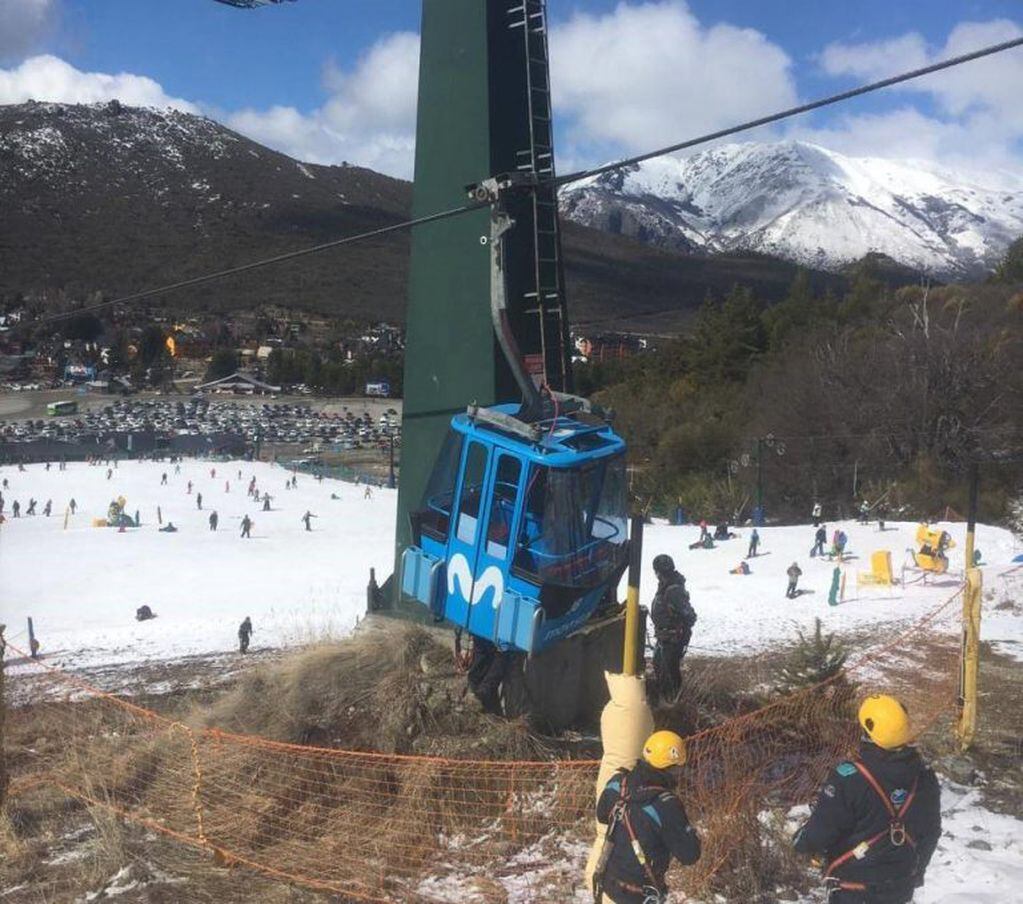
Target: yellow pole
973,595
630,657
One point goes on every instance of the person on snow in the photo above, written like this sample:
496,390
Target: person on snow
266,502
819,540
198,501
16,509
704,532
838,541
244,635
189,490
48,508
673,618
214,520
163,479
816,514
307,519
369,492
864,512
877,818
144,613
647,826
31,510
72,505
246,526
754,542
794,571
3,502
882,512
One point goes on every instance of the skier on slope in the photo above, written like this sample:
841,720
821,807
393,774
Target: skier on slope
247,527
794,572
754,542
244,634
214,520
819,539
48,507
307,520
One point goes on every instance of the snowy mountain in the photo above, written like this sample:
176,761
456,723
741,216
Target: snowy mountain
811,205
110,198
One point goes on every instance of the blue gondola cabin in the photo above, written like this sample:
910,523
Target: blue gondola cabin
523,529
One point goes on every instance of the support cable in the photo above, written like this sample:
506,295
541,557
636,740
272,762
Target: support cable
792,111
556,183
265,262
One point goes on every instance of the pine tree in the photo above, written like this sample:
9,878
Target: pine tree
812,660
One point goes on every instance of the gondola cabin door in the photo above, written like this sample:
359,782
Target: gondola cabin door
481,541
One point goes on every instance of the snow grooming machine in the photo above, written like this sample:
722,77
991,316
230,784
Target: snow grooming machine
522,531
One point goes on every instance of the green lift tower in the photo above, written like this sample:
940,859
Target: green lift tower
484,111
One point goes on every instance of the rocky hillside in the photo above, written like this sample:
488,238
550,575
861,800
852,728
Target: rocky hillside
810,205
113,199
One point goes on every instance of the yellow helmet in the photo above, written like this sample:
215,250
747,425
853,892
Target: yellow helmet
664,749
885,721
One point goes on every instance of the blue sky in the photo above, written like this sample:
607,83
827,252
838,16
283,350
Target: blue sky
328,80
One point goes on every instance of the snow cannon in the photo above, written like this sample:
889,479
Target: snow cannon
933,544
523,530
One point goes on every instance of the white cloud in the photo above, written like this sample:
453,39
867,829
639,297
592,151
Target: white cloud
23,23
48,78
648,74
369,118
976,115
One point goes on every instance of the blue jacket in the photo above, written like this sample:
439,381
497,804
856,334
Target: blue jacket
658,819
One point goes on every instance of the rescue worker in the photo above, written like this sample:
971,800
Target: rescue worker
244,634
673,619
877,819
794,571
647,826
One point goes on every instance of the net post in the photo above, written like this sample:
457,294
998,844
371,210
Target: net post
973,595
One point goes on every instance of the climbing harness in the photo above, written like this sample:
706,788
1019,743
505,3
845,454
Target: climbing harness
896,832
652,893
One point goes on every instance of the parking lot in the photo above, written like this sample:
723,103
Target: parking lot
339,425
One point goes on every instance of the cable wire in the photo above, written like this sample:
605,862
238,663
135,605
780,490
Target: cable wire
558,182
265,262
793,111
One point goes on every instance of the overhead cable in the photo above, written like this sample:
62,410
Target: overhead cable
264,262
793,111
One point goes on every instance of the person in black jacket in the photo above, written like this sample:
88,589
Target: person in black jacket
647,826
673,619
877,819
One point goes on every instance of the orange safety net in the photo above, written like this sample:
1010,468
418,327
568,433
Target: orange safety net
378,827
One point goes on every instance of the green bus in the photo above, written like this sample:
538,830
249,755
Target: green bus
65,407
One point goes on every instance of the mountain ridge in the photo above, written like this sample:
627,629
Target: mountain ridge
810,205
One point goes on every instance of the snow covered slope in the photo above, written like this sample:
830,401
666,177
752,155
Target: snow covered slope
82,585
808,204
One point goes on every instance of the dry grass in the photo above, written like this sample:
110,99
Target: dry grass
392,690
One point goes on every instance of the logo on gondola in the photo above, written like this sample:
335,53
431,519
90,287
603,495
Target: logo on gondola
460,576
